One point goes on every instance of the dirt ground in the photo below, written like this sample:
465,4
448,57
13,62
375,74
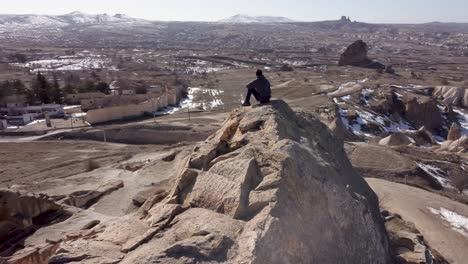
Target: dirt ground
27,162
413,205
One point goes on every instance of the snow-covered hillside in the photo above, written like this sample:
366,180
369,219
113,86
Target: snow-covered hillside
74,18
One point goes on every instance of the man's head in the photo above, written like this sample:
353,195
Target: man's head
259,73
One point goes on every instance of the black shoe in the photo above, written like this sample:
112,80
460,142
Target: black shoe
246,104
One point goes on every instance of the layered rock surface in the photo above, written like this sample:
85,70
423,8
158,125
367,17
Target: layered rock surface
22,214
268,187
449,95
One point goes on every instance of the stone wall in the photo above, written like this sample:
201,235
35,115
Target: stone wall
126,111
114,100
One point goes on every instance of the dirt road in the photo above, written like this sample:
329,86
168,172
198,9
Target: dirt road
413,205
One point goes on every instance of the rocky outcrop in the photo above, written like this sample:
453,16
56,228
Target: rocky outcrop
85,198
268,187
387,102
34,255
21,214
396,139
356,55
408,242
459,145
422,137
339,130
452,96
423,111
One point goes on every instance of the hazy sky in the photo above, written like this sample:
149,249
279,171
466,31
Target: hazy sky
396,11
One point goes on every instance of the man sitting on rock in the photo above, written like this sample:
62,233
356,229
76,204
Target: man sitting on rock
259,88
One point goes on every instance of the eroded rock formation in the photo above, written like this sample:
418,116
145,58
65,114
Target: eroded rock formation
268,187
356,55
21,214
421,137
408,242
340,131
452,96
423,111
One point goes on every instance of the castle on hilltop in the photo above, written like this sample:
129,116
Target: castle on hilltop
345,19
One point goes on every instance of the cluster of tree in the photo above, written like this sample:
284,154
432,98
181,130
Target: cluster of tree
8,88
44,91
18,57
74,84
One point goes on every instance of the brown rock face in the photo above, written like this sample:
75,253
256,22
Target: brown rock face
450,95
454,132
422,137
423,111
408,242
459,145
20,214
340,131
268,187
355,55
19,211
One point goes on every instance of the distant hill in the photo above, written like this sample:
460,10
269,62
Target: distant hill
74,18
256,19
264,32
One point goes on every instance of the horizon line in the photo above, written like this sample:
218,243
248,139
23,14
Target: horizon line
219,20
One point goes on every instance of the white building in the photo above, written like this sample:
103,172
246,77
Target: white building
23,115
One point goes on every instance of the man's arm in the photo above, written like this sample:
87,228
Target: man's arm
252,84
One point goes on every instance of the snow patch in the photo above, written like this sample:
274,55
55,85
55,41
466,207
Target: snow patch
77,115
437,174
348,85
67,107
68,64
201,70
189,102
458,222
35,122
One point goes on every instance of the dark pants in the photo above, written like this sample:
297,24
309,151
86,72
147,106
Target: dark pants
257,96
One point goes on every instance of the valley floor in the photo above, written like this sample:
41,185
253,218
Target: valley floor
448,235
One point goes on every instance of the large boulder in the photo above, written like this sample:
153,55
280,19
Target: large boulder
268,187
356,55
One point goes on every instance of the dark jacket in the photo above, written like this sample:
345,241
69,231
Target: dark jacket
262,86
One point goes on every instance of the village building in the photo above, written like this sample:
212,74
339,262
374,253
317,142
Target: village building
22,115
75,99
